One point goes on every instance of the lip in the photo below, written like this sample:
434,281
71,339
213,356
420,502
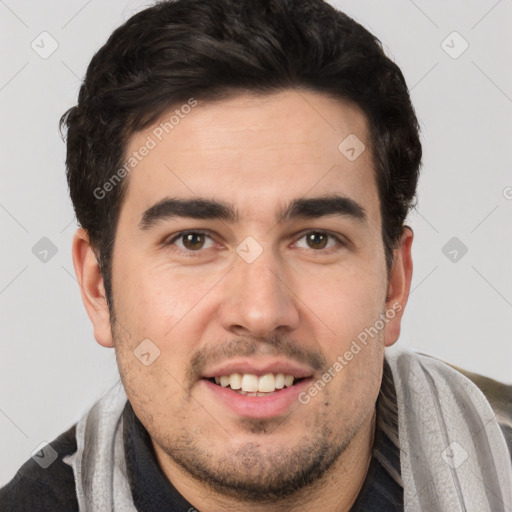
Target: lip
258,367
261,407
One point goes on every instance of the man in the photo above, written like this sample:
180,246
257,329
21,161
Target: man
241,172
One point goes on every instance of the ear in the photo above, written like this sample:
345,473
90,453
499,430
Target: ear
89,278
399,286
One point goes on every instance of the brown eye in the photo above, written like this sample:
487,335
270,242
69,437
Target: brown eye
193,241
190,242
317,240
320,241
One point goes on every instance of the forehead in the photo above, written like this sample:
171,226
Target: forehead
257,152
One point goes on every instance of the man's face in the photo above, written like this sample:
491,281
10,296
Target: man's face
255,294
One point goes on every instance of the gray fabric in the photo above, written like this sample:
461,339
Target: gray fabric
98,464
437,406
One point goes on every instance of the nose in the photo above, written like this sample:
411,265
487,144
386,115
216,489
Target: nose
258,300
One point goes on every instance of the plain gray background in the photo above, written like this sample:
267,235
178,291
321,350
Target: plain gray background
51,368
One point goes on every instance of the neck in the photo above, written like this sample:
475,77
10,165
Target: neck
336,491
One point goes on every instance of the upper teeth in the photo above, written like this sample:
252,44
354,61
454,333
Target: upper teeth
252,383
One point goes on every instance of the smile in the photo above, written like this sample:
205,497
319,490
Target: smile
251,385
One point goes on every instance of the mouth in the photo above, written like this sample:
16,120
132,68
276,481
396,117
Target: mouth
251,395
253,387
250,384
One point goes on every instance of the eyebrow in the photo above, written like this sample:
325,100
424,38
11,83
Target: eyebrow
209,209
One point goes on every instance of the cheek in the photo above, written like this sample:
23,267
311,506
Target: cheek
156,300
165,306
152,350
345,301
347,309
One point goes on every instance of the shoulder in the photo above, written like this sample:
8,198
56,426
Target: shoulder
498,395
37,488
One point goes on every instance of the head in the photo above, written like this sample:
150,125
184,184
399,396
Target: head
237,122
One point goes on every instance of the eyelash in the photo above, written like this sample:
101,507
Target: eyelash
195,254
